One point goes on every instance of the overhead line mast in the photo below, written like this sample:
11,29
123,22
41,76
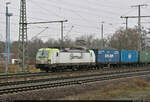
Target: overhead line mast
62,31
22,41
126,17
139,23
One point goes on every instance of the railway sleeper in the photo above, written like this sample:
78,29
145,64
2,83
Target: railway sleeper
64,83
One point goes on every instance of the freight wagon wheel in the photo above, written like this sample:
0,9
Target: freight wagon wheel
53,70
47,70
74,69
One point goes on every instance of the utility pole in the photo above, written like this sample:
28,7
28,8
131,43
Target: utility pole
7,46
139,25
22,48
62,37
9,15
126,21
102,31
6,50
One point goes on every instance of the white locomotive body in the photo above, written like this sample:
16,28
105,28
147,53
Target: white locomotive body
55,59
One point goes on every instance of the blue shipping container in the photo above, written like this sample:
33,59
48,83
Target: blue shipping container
128,56
107,56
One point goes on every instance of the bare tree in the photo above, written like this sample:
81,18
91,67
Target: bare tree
124,39
85,41
2,46
33,47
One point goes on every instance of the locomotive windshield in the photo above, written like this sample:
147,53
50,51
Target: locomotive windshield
42,53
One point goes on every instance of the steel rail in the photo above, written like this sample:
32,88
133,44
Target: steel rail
24,75
64,78
72,82
46,74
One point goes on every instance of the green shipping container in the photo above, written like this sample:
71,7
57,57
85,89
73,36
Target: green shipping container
144,56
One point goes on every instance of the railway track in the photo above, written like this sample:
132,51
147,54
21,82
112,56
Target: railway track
28,75
65,78
23,75
65,81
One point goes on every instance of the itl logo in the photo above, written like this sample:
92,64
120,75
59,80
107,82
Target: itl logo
129,56
109,55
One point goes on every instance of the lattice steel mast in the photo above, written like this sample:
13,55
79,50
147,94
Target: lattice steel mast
22,47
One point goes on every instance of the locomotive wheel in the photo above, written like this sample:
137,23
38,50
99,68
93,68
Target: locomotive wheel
47,70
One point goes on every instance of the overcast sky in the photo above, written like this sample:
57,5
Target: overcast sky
84,17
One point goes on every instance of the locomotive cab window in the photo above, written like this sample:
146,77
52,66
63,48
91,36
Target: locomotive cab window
57,54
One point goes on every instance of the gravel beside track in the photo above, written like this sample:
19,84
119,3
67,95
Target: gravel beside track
41,75
67,81
60,93
64,78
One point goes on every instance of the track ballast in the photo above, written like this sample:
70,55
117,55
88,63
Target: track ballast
65,81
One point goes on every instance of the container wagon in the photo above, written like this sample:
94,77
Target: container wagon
144,57
107,58
129,57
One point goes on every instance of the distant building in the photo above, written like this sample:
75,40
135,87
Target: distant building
3,56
